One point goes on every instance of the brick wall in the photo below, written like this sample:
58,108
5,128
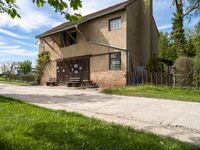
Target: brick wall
109,78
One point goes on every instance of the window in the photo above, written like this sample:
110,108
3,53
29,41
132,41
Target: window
115,61
114,24
68,38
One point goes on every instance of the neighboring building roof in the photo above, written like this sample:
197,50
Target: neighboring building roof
69,25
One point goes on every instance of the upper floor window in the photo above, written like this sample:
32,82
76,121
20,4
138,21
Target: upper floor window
115,61
114,24
68,38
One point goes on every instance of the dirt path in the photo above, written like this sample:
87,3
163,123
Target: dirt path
177,119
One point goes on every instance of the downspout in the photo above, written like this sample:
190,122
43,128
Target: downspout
95,42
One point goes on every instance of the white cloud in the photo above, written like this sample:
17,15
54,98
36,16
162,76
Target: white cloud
12,34
18,52
165,27
2,43
25,43
31,17
95,5
9,47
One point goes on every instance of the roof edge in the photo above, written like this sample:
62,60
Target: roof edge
119,6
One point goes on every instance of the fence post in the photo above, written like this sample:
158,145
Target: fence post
146,76
174,80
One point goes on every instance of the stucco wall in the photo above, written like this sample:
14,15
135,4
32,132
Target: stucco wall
141,33
155,38
96,30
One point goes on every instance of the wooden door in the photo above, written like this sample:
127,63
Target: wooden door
79,67
74,67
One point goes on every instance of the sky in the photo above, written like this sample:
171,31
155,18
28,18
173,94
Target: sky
17,36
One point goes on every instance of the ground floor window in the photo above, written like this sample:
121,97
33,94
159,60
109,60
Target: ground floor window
115,61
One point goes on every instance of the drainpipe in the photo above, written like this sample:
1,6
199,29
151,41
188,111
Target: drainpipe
77,29
98,43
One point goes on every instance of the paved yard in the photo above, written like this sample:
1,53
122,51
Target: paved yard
177,119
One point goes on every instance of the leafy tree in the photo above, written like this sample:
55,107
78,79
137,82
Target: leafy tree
10,7
190,49
196,75
180,43
196,42
177,34
192,6
25,66
165,48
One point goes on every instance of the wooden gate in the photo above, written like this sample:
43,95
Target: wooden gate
73,67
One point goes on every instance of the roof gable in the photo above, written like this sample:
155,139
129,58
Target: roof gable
69,25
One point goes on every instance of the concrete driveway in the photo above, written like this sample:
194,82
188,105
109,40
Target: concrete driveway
176,119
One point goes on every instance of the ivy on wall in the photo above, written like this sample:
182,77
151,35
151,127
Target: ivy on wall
42,61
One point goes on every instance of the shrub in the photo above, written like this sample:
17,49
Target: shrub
184,70
155,64
25,78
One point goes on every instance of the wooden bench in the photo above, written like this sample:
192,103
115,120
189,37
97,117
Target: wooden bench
51,82
74,81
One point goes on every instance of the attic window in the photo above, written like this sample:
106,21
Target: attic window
68,38
114,24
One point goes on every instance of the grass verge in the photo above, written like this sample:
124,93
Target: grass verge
20,83
151,91
24,126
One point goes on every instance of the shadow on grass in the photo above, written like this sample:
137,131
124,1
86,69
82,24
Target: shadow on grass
94,136
4,99
75,137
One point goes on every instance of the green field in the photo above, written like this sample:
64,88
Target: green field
24,126
163,92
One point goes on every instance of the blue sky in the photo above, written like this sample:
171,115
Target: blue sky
17,36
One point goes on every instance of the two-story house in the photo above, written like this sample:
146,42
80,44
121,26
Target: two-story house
103,47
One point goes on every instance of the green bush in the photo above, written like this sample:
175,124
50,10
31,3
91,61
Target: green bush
155,64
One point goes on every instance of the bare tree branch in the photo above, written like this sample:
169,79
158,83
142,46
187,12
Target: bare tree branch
192,8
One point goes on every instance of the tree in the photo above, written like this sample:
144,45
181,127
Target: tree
196,42
10,7
177,34
192,6
190,50
155,64
25,66
165,48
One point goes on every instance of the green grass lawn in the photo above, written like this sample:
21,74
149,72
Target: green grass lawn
23,126
20,83
164,92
